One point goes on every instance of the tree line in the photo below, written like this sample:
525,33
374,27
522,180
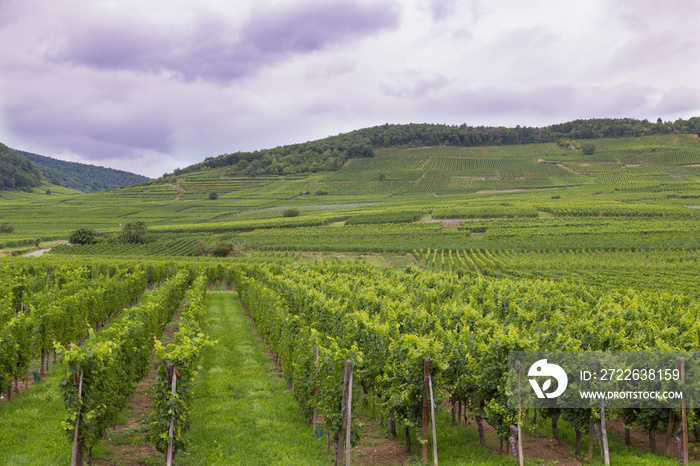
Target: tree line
329,154
16,172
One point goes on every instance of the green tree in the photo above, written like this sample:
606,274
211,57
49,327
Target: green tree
82,236
134,232
213,195
291,212
588,148
221,248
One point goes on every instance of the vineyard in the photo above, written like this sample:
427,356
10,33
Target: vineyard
316,318
456,254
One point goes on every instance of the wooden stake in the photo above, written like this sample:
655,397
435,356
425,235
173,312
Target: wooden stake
315,418
590,438
169,454
77,454
603,433
340,452
426,409
348,429
520,414
684,420
432,418
669,431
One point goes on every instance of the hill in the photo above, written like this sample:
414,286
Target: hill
82,177
331,153
16,171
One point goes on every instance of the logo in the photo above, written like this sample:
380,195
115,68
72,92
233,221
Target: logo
542,369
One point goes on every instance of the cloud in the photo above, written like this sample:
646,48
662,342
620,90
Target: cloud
412,86
214,49
679,100
147,85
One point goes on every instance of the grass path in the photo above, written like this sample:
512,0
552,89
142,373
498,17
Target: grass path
243,413
30,427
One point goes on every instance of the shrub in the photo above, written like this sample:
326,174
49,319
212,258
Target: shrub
213,195
82,236
221,248
6,228
202,248
291,212
588,148
134,233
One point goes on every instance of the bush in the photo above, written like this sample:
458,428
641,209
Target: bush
213,195
291,212
48,191
588,148
221,248
202,248
82,236
321,192
6,228
134,233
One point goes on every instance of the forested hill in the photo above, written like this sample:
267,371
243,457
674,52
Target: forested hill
81,176
332,152
16,171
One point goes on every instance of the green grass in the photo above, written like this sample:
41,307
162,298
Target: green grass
243,413
30,427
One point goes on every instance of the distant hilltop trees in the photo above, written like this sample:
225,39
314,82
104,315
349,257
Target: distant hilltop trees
331,153
16,171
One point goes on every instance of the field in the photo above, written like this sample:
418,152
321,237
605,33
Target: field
455,254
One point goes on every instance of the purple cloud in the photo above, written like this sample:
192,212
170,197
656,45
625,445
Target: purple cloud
212,49
679,100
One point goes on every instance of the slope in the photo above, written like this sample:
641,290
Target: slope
16,171
82,177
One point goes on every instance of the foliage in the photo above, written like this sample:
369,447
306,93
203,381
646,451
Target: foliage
291,212
134,233
113,361
332,152
82,177
82,236
588,148
6,228
221,248
16,171
179,359
213,196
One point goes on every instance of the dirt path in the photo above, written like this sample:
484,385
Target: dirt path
180,190
37,253
127,443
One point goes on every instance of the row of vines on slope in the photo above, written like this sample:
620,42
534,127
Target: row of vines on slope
387,322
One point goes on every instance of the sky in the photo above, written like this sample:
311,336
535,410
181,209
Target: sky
148,86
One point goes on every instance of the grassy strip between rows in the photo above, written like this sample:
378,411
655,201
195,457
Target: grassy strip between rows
30,426
243,414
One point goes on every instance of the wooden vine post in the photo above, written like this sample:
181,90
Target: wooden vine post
669,430
316,389
426,409
78,453
604,452
684,419
432,418
172,372
348,429
520,414
340,452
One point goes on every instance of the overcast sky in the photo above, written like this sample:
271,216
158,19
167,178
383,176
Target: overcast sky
148,86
